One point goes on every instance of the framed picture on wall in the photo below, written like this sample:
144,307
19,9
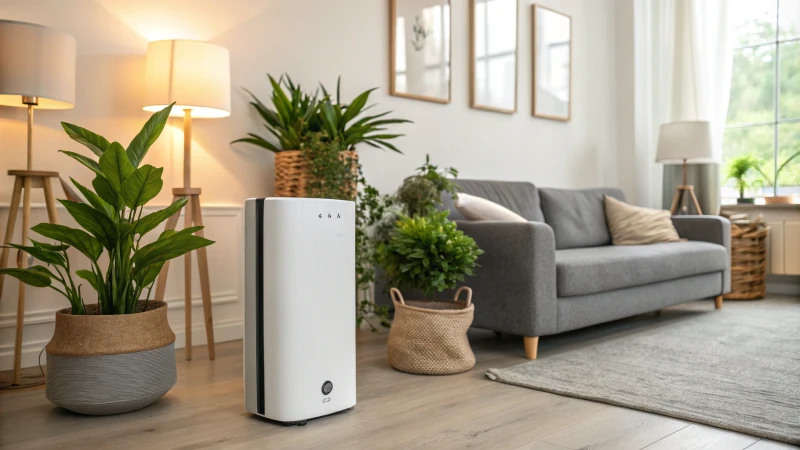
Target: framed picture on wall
552,64
493,55
419,56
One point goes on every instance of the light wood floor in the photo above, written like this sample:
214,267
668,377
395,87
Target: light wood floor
394,410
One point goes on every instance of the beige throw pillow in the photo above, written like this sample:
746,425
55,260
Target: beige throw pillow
634,225
476,208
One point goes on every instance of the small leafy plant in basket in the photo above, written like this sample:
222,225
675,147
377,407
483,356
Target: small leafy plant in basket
429,254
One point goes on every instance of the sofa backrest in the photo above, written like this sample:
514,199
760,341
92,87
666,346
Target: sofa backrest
578,216
518,196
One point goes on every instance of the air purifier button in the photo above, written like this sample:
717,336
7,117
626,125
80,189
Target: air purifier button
327,387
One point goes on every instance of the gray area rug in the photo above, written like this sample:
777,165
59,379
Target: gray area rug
737,368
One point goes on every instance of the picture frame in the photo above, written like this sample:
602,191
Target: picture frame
551,37
420,50
489,72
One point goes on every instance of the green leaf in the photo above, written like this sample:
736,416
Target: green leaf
81,240
152,220
149,274
115,166
93,221
95,281
30,277
94,142
43,255
88,162
55,248
44,271
95,200
170,247
107,193
142,186
147,136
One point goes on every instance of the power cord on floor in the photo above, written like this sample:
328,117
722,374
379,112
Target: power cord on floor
41,369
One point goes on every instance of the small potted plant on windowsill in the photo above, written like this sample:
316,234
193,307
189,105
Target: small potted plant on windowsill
739,169
117,355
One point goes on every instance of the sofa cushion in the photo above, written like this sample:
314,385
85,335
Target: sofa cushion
578,216
634,225
518,196
476,208
582,271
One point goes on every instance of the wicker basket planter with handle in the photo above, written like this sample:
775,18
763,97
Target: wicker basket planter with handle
430,337
291,172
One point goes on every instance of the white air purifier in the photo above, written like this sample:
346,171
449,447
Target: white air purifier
299,334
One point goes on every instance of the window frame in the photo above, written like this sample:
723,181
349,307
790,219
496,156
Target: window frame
776,93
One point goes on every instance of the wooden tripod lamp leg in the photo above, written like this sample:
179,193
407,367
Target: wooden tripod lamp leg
161,284
187,285
22,263
675,200
49,200
13,210
205,284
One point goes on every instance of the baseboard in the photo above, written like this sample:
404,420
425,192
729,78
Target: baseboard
226,330
783,285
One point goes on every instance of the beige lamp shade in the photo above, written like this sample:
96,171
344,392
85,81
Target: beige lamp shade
36,61
193,74
685,140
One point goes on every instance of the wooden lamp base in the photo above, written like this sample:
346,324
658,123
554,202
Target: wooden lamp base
678,199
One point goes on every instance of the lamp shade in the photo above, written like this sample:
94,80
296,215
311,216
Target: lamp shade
36,61
685,140
193,74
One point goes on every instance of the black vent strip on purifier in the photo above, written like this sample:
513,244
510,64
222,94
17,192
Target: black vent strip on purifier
260,305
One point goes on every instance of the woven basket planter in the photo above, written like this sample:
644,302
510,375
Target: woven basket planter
291,172
748,260
430,337
110,364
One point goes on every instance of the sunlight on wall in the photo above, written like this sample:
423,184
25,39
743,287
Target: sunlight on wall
182,19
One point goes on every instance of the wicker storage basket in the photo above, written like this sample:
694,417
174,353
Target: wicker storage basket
748,260
430,337
291,172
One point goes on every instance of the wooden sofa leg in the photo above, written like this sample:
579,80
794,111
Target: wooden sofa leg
718,302
531,346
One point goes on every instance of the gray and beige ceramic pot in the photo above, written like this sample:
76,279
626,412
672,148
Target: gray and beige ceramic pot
110,364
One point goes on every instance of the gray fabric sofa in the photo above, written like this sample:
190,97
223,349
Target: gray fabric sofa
559,271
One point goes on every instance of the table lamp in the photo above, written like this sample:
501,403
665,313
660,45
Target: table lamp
685,142
196,76
37,71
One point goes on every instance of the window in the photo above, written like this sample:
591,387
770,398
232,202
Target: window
764,110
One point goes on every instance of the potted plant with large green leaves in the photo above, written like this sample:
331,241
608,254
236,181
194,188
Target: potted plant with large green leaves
116,355
296,119
429,254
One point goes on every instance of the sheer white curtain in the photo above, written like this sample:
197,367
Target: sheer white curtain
683,57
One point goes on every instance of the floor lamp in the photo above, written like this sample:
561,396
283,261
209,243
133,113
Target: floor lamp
37,71
196,76
685,143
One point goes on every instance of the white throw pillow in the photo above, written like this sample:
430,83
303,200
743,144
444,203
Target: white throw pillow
634,225
476,208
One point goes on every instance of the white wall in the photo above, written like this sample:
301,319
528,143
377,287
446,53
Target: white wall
314,41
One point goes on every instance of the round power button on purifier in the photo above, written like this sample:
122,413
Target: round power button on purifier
327,387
